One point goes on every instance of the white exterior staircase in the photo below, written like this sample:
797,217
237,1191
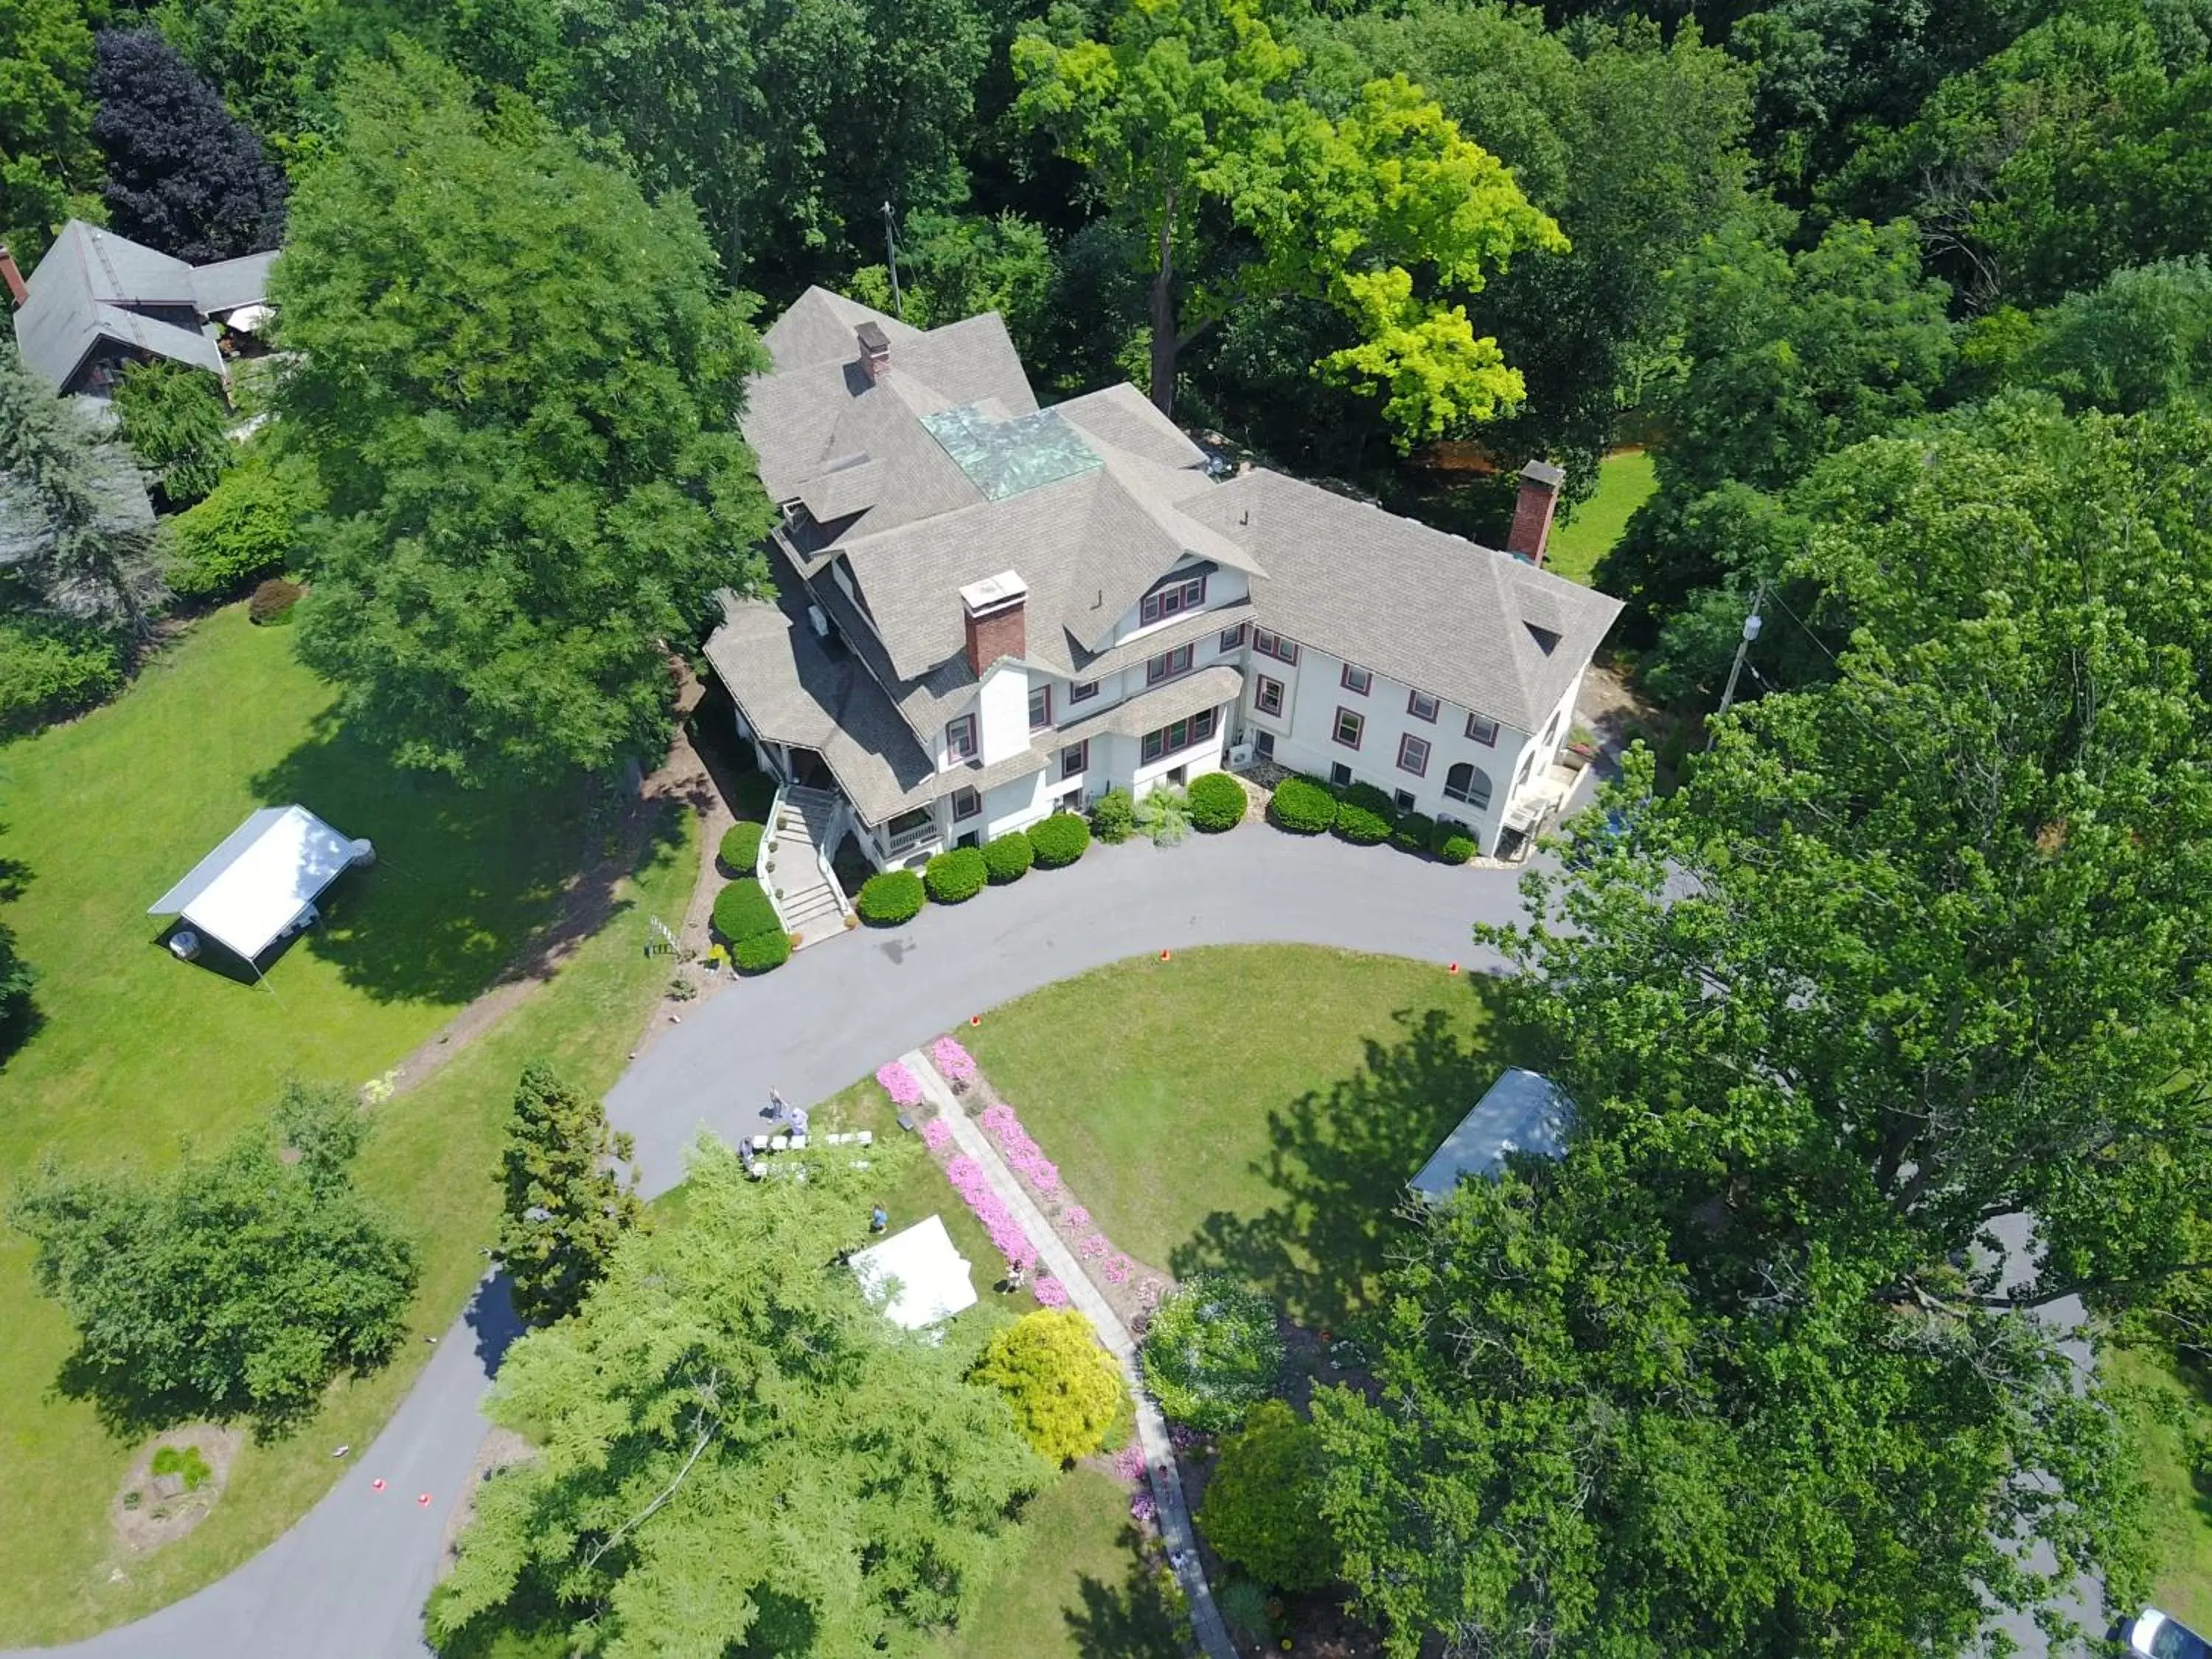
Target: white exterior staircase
796,872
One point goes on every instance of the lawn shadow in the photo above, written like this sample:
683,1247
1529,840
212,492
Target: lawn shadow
1339,1160
1133,1620
463,877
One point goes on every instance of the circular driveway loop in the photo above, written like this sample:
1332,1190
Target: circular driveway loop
348,1581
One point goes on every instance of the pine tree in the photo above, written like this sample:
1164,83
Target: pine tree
566,1208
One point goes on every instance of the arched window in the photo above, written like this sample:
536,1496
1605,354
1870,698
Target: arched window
1465,783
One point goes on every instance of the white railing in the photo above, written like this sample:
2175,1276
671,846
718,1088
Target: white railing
768,848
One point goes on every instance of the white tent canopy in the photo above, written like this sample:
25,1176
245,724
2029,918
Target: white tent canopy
258,885
916,1277
1523,1112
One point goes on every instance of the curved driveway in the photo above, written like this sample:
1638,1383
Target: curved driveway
348,1581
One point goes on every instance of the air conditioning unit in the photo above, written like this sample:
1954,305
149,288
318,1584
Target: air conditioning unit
814,615
1241,755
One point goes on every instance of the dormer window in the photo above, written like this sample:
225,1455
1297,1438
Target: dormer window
960,738
1172,601
1040,706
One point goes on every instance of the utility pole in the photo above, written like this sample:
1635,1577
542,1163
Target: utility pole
890,252
1751,624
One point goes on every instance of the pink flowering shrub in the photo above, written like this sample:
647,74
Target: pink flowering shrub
1129,1463
904,1087
1022,1153
1006,1235
1142,1506
936,1134
1050,1292
1076,1216
955,1061
1095,1246
1117,1270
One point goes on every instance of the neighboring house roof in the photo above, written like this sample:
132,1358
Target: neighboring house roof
95,285
1521,1112
1447,615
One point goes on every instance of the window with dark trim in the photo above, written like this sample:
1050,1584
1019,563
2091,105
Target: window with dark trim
1340,775
1420,705
1356,680
1181,735
1413,754
1275,645
1480,730
1349,725
1232,639
1083,691
960,737
1267,694
1403,801
1469,785
1168,664
966,802
1040,706
1074,758
1171,601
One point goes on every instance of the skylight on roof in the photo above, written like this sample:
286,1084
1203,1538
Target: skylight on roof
1006,458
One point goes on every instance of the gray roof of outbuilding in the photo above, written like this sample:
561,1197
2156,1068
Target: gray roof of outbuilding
1434,611
229,283
87,288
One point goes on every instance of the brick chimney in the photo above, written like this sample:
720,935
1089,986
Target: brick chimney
1532,513
18,290
875,348
995,609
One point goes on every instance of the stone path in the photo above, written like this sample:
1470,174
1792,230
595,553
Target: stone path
1160,1465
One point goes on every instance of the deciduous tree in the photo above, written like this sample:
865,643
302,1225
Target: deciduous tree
48,167
1263,1501
565,1209
520,384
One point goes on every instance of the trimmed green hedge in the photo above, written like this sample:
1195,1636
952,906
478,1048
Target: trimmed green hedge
1451,843
742,911
1059,839
956,877
888,898
1414,832
1008,858
741,846
1365,815
761,952
1303,806
1217,802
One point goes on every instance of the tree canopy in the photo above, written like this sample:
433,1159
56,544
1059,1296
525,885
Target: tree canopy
565,1208
520,383
48,167
735,1451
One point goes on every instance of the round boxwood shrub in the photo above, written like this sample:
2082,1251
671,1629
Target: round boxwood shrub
1414,832
1008,858
1303,806
1365,815
761,952
1217,803
1114,816
1212,1352
1059,839
742,911
888,898
956,877
1262,1498
1451,843
272,601
741,846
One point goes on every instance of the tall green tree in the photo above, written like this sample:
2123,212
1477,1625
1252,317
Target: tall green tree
956,265
736,1452
2140,340
566,1209
233,1286
520,383
48,168
1188,118
174,421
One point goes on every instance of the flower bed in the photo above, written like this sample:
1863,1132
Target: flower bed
968,1180
1022,1155
902,1085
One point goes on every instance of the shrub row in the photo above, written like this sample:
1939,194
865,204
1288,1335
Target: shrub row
741,847
1364,815
893,897
956,877
888,898
1217,802
1008,859
1059,839
746,918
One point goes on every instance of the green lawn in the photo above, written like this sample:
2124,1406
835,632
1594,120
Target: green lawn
1625,482
2169,1419
1257,1108
1077,1590
137,1050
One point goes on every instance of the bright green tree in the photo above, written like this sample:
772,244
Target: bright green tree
1062,1386
520,384
250,526
233,1286
1262,1510
1211,1352
952,266
736,1452
174,421
565,1209
2142,339
1187,116
48,167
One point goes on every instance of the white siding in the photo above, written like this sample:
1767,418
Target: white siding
1003,712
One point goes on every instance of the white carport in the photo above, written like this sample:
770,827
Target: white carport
260,886
1523,1112
916,1277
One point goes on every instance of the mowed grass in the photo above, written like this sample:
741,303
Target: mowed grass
137,1051
1253,1109
1625,482
1077,1588
2167,1416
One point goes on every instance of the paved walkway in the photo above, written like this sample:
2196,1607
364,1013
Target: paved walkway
348,1581
1160,1465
